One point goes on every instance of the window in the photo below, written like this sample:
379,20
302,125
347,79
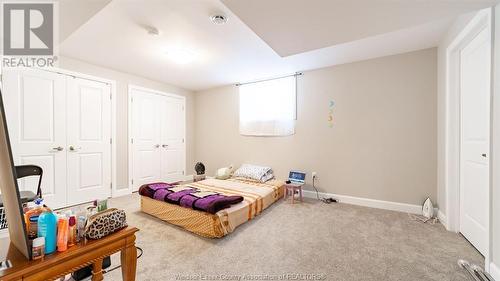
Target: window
268,108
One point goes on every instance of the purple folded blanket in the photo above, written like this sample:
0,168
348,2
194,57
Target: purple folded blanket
211,204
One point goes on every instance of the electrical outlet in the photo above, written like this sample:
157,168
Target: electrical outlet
314,175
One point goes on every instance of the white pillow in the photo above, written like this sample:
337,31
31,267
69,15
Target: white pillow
224,173
260,173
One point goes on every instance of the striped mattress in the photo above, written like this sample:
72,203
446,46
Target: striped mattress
257,197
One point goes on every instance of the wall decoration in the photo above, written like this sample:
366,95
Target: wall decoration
331,106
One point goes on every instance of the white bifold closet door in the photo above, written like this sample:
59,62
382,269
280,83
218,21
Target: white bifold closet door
157,137
88,140
35,109
62,124
172,138
145,140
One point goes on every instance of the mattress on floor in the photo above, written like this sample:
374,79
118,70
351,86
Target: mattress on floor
257,197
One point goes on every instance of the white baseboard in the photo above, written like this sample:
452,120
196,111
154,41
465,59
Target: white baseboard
120,192
126,191
494,271
372,203
442,218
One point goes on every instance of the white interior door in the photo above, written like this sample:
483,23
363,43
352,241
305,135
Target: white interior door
88,140
145,128
172,139
35,105
475,134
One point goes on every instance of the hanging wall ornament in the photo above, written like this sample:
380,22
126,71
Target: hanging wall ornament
330,119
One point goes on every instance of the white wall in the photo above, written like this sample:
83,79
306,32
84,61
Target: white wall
454,30
122,81
495,169
457,27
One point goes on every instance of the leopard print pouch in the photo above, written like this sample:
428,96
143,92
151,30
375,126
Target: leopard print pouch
104,223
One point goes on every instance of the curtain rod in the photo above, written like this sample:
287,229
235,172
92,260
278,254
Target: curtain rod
269,79
74,76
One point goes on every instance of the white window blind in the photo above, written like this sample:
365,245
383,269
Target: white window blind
268,108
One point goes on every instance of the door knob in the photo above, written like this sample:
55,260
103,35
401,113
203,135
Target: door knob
72,148
157,146
59,148
484,155
164,145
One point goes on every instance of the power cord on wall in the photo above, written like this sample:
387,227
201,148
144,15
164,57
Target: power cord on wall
327,200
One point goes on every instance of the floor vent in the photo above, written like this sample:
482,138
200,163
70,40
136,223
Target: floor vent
475,272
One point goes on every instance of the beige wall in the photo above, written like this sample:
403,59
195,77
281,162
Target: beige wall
122,81
382,145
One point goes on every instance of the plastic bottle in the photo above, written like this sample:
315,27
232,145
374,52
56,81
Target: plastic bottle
35,211
82,220
62,233
47,227
38,248
72,231
33,227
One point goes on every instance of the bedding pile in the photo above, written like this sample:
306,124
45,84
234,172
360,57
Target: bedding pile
254,172
189,197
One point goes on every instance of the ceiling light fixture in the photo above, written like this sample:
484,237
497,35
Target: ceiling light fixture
219,19
181,56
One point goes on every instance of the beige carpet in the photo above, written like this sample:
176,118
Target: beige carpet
326,242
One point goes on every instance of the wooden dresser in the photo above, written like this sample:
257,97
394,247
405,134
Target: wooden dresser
56,265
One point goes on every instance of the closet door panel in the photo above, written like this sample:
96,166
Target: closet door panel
35,105
146,138
172,135
89,140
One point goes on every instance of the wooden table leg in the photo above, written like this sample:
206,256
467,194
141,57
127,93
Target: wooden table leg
97,271
300,190
129,260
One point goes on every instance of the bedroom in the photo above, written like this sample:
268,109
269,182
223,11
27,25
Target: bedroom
364,98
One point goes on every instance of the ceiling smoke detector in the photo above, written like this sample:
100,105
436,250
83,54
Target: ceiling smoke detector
218,19
152,30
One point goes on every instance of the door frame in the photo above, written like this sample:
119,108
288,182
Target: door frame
114,192
482,20
132,87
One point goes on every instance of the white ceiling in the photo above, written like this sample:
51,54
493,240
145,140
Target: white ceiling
116,38
290,27
74,14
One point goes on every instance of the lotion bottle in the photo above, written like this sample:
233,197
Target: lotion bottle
62,233
47,227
